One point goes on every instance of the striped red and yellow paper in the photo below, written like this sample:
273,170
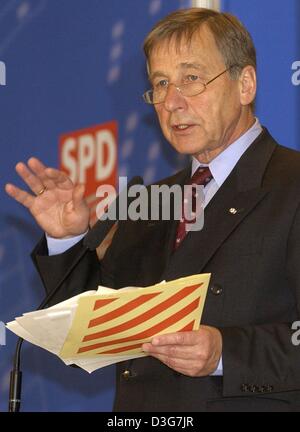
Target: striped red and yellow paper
118,323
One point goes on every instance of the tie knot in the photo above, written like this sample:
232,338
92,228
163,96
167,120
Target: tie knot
202,176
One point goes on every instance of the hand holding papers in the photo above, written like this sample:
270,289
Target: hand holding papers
98,328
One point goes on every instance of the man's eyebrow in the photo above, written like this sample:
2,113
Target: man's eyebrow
184,65
187,65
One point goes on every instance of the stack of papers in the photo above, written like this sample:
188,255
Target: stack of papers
99,328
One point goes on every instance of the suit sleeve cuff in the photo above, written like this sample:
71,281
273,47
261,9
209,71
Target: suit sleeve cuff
219,370
59,246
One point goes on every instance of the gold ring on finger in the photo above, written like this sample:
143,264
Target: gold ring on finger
41,191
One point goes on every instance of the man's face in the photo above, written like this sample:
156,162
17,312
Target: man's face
202,125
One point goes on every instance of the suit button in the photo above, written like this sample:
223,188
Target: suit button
253,389
126,375
269,388
244,388
216,289
261,389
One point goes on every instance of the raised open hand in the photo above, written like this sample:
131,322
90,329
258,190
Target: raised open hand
58,205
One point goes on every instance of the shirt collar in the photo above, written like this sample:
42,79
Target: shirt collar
224,163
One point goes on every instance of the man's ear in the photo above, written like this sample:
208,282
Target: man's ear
248,85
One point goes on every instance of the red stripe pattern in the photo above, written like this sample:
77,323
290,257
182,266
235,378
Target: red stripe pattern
122,310
128,336
189,327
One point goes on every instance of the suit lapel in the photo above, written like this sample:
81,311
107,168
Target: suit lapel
236,199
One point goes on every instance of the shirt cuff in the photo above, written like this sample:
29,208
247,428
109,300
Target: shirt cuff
59,246
219,370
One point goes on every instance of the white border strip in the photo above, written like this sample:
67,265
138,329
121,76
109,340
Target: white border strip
209,4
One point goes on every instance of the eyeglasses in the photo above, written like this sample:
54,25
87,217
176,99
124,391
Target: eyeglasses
158,95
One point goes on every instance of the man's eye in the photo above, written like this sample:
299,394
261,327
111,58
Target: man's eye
192,78
161,84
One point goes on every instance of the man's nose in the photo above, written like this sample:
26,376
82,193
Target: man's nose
174,99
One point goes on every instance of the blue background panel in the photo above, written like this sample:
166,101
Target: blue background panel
274,26
72,64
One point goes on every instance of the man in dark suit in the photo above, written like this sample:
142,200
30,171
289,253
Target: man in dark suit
202,69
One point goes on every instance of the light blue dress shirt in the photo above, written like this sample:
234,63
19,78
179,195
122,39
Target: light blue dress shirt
220,168
223,164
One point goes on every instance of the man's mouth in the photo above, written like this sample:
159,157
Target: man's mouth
181,127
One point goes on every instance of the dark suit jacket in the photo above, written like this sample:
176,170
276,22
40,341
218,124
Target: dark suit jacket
254,294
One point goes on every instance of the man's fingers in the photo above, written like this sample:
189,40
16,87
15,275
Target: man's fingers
50,177
78,195
39,169
60,179
19,195
32,181
174,351
37,176
180,338
194,337
36,165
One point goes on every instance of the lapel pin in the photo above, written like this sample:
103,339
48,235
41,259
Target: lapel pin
235,211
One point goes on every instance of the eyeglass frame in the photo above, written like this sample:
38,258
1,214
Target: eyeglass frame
185,85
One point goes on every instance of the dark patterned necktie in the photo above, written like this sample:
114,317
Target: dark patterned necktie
201,177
